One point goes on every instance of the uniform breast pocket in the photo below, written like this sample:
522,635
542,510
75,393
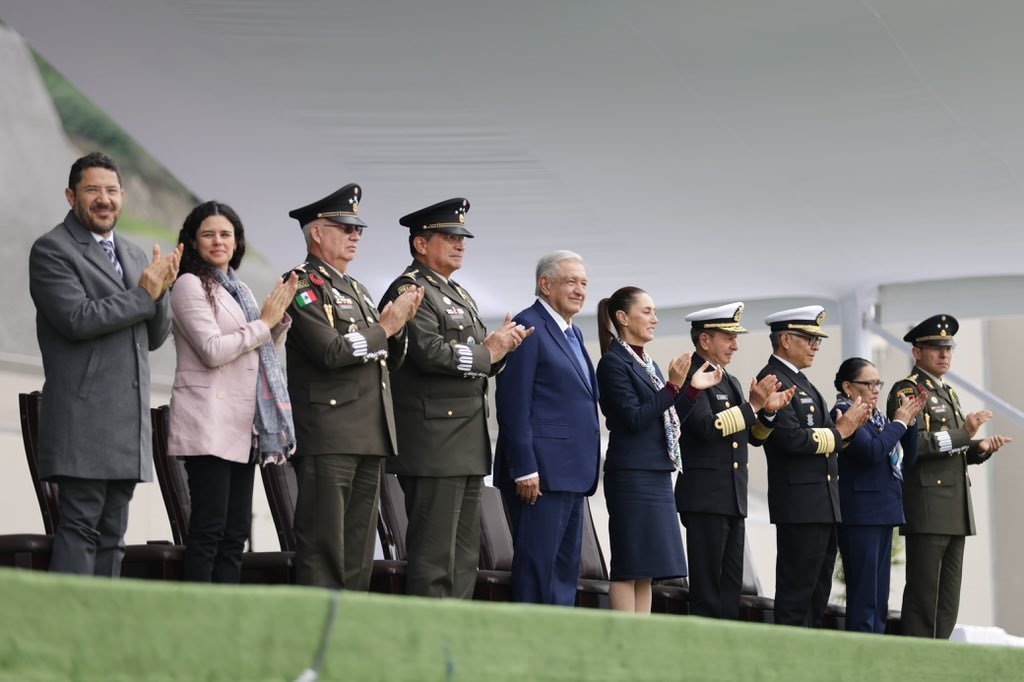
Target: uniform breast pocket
333,394
453,408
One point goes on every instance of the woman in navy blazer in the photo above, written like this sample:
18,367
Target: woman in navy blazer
643,414
871,493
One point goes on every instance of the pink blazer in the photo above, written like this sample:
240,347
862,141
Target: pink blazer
213,401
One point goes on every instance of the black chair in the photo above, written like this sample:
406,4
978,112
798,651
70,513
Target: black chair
592,589
150,561
494,577
31,550
257,567
281,486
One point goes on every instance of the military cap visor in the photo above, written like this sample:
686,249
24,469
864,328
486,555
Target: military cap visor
937,330
341,207
446,217
724,318
806,320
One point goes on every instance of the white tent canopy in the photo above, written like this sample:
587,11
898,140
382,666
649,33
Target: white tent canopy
707,151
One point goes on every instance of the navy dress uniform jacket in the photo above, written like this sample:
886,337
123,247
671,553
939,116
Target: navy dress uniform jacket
803,470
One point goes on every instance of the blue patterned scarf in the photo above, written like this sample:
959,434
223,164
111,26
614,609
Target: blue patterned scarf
275,432
878,422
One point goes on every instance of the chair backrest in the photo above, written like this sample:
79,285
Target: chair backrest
495,535
393,522
592,564
171,475
751,585
281,485
46,491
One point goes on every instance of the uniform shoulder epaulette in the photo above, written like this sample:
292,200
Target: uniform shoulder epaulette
412,274
912,377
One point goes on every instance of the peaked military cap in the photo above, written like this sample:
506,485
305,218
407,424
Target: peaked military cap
339,207
807,320
447,216
725,318
937,330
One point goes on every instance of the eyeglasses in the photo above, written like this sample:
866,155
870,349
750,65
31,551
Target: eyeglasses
873,385
812,341
349,229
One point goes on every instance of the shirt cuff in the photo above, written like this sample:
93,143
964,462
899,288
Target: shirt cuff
527,477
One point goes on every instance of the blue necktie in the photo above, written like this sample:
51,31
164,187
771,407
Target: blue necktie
574,343
108,248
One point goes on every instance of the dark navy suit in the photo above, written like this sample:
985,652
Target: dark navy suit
871,498
547,423
803,498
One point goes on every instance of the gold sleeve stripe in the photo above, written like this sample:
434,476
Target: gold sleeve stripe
825,439
730,421
760,431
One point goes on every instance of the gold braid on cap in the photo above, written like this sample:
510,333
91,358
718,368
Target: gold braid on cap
825,439
809,328
730,421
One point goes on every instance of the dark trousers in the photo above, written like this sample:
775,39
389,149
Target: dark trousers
219,520
931,599
715,546
89,539
867,561
335,520
547,538
443,539
803,572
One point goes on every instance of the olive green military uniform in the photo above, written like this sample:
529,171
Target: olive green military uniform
340,390
444,449
937,504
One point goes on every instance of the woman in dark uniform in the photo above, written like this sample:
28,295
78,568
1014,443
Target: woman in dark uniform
871,492
643,414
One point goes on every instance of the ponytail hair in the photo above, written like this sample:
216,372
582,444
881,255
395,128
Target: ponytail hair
607,323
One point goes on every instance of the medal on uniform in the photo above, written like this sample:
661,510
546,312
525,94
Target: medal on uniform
352,327
471,341
810,420
447,301
316,279
329,312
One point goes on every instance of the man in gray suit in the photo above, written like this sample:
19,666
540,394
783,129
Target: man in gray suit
100,309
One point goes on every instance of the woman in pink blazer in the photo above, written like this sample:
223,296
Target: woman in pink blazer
229,403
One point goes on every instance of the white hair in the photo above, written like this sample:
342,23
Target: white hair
547,266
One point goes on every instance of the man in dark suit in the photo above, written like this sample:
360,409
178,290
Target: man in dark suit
339,350
100,309
440,399
711,491
936,487
803,493
548,452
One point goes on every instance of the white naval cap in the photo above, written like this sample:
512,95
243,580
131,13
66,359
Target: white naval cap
807,320
725,318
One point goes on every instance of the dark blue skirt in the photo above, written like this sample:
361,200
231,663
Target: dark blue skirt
643,526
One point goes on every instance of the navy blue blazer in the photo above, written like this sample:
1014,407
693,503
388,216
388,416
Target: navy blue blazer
869,492
633,411
547,411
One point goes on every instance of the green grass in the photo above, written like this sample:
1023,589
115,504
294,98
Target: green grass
65,628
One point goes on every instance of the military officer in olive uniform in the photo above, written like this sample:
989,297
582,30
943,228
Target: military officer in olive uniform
440,401
803,491
339,349
711,491
937,488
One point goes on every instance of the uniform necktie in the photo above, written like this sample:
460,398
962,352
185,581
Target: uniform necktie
574,343
108,248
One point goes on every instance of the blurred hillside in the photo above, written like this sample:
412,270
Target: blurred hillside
45,124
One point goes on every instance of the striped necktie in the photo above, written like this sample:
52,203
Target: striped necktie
108,248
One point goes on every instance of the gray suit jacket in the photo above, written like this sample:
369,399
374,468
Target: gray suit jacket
95,334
